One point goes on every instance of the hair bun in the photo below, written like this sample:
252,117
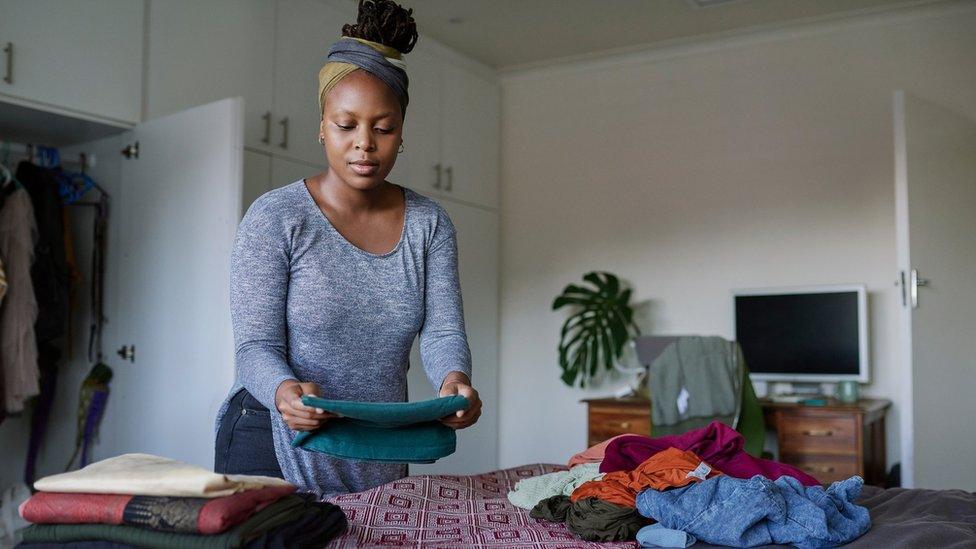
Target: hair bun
385,22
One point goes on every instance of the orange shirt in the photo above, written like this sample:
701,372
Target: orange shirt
671,468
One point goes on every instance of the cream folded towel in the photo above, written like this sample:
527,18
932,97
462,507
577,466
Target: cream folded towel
148,475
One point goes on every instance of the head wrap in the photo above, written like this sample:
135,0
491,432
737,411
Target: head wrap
349,54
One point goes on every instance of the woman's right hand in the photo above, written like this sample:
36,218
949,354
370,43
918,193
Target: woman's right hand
299,417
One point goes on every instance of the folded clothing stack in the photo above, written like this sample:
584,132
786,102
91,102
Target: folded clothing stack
149,501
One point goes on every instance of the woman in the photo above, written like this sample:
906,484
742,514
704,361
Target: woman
333,277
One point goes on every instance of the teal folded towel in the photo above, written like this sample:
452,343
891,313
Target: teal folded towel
403,432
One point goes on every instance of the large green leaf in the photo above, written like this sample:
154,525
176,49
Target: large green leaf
595,334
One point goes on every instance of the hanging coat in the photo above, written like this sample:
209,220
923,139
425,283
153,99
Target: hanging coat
18,312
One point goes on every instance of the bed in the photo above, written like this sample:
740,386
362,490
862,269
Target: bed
473,511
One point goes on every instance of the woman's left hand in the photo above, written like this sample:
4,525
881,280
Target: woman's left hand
457,383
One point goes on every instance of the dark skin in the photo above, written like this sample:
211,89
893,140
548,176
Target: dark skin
362,127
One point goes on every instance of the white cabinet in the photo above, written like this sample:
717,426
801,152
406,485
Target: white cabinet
82,58
264,172
204,51
451,133
478,256
421,127
285,172
257,178
470,137
304,31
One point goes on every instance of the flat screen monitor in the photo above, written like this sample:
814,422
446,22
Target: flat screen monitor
809,334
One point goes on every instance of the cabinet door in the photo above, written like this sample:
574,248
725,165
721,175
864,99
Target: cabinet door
470,137
285,172
416,167
305,30
83,57
175,211
257,178
477,447
204,51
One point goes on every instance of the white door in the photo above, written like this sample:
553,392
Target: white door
935,193
173,217
477,446
203,51
305,29
416,167
470,137
83,56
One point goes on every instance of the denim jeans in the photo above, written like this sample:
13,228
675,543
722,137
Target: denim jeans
244,442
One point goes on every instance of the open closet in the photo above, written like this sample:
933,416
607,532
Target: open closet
175,188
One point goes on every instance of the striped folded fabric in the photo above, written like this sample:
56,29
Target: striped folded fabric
162,513
294,521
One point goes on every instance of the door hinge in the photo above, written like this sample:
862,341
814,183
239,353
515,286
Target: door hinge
131,151
127,352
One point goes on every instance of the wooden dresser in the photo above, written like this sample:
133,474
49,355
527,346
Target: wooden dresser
609,417
830,442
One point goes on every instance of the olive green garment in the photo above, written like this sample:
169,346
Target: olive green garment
591,518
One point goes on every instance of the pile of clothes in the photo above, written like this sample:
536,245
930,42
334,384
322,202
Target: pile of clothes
673,490
148,501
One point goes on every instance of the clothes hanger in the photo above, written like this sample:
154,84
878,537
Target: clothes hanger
6,174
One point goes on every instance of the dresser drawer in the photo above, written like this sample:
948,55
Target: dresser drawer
801,434
607,424
824,468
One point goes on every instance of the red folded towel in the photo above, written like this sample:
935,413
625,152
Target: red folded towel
170,514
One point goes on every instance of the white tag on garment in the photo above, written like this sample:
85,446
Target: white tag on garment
683,401
700,472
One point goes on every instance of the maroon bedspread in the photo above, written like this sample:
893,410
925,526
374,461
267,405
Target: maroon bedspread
452,511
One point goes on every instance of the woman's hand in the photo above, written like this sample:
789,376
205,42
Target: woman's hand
457,383
288,399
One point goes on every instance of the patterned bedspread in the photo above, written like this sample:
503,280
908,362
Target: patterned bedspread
453,511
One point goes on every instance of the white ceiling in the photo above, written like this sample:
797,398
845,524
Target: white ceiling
508,34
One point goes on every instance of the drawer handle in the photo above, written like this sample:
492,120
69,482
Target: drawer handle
9,50
267,128
819,433
624,425
827,469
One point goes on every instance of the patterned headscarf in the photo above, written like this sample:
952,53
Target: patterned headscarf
383,62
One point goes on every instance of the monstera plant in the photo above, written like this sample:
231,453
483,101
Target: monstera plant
601,325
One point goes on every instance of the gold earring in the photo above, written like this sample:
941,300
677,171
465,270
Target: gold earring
400,150
321,140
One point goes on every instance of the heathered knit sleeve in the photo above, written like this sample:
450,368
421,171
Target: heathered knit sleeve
443,342
258,298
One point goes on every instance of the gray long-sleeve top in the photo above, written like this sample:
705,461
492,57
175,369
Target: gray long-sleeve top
307,304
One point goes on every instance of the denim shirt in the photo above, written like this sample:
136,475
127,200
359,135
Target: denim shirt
748,512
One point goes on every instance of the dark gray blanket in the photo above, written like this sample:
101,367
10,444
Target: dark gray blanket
915,518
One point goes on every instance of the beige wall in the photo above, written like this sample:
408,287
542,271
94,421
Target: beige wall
767,161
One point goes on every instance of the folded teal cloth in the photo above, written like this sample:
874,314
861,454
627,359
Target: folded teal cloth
403,432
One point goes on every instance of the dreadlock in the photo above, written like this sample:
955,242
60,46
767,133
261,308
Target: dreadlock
386,22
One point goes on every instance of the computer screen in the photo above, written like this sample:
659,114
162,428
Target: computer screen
803,335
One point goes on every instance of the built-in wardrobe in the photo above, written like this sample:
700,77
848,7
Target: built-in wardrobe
186,112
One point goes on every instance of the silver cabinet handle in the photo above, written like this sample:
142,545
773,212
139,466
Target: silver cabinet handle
437,179
450,179
284,138
9,50
267,128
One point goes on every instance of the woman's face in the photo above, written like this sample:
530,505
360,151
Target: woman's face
363,128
